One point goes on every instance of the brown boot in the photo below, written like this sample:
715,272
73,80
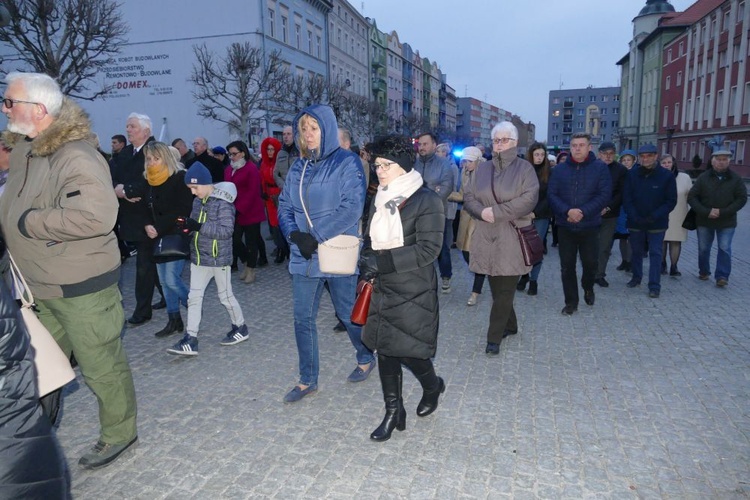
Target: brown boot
250,275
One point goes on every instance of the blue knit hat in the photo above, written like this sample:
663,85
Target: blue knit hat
198,174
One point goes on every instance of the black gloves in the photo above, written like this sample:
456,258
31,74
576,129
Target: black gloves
186,224
306,243
372,263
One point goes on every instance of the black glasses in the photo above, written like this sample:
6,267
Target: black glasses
10,102
383,166
233,154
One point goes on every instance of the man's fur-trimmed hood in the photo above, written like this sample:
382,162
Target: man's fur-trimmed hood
72,124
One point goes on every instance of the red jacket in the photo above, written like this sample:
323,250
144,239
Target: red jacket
249,204
268,183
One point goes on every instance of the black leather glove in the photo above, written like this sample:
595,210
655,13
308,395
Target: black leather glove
385,262
306,243
186,224
368,264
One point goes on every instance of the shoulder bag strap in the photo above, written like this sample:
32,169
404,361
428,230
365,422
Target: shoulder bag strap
19,283
301,197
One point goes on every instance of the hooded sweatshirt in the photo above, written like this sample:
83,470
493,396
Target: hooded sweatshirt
212,245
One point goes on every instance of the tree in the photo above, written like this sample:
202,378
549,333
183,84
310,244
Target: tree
239,87
69,40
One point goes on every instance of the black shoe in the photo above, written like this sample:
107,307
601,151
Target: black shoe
621,267
589,297
664,268
137,321
162,304
673,271
174,325
654,294
234,268
280,256
103,454
601,282
569,310
395,414
262,262
492,348
532,288
429,402
634,283
521,286
339,327
628,267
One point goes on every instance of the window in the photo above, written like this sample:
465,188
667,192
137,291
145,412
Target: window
741,12
615,111
676,113
666,117
732,99
615,124
605,98
581,98
318,46
689,111
284,29
298,35
719,103
616,97
554,138
309,42
579,124
692,149
739,155
725,24
592,98
712,33
736,53
603,111
710,65
668,83
722,58
581,112
746,102
272,23
684,151
603,125
706,106
669,55
682,49
555,126
555,100
679,78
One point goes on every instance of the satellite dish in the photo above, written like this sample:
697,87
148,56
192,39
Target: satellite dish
4,17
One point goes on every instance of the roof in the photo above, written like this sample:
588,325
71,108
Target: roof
694,13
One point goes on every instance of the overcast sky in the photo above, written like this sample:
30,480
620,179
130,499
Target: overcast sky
511,53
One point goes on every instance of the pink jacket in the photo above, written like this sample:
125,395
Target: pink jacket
248,203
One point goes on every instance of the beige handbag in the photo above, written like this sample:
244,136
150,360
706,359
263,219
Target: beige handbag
340,254
53,369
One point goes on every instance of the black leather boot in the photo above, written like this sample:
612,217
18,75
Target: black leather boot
521,286
429,402
395,414
174,325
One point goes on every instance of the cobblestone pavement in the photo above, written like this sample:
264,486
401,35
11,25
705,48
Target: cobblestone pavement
632,398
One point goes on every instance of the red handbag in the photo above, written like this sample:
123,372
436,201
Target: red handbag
362,304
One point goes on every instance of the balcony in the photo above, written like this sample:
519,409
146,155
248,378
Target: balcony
378,62
568,104
567,117
594,114
379,85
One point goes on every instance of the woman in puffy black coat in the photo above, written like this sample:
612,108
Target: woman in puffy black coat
31,461
402,241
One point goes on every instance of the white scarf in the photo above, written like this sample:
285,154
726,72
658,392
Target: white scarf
386,231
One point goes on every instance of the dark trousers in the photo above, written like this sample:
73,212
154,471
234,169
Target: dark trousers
478,278
279,241
146,278
572,244
654,239
252,246
502,313
444,258
606,234
421,368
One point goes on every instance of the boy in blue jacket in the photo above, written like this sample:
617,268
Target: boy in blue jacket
211,223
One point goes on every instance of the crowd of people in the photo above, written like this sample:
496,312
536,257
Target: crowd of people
71,218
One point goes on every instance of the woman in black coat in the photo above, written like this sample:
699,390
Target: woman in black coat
403,239
31,462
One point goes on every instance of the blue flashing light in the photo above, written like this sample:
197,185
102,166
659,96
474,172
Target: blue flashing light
458,153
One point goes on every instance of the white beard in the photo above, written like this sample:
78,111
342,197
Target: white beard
20,128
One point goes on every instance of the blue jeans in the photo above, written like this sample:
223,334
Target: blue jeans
306,297
724,255
541,226
175,290
444,259
638,244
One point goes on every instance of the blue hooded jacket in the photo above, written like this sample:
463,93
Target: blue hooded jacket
586,186
333,190
650,194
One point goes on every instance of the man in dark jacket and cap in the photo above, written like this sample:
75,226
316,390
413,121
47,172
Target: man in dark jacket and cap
650,194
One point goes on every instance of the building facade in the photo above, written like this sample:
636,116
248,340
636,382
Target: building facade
706,85
349,48
395,72
593,110
475,119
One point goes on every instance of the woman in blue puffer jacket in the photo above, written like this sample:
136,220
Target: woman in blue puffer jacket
331,184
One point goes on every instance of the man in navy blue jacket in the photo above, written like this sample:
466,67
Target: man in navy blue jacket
578,190
650,194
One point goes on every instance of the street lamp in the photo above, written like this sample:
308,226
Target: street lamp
670,133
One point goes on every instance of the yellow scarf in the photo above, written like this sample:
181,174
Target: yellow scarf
156,175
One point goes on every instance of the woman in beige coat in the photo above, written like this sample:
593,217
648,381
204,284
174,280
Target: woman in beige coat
503,190
471,157
675,234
